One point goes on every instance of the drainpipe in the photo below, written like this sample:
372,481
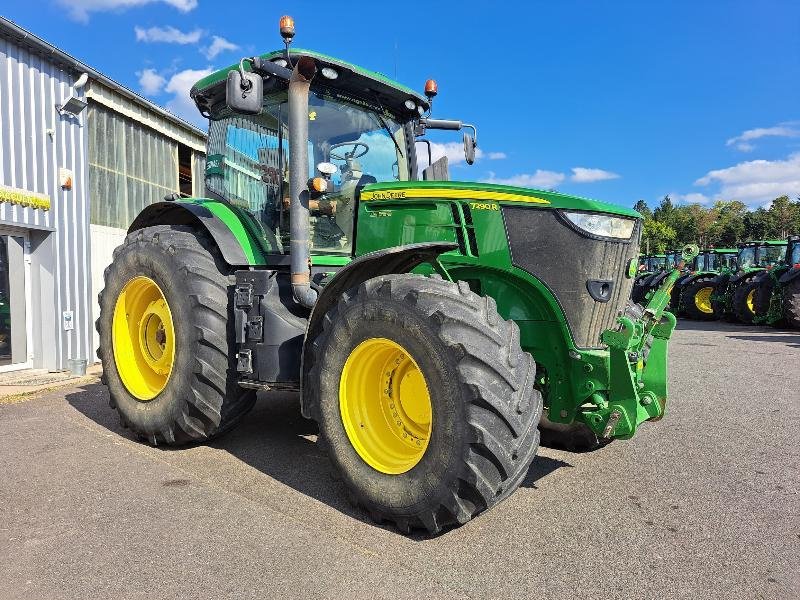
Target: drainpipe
299,247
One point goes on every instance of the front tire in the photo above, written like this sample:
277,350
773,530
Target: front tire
696,301
744,302
166,339
476,422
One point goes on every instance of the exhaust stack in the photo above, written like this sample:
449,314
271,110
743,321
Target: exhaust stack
299,244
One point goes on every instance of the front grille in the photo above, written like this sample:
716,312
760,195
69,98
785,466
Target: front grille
564,260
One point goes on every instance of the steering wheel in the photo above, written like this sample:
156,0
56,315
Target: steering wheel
354,154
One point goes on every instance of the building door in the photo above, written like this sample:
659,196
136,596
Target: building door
14,302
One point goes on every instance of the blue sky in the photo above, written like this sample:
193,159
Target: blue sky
613,100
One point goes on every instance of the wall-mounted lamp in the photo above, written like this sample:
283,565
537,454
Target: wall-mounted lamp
74,105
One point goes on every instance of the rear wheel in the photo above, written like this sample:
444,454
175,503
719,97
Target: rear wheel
791,303
425,400
744,307
696,301
165,338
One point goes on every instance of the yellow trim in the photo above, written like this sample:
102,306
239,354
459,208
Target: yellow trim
702,300
143,338
24,198
448,193
751,305
385,406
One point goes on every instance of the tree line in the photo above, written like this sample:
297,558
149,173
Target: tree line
722,225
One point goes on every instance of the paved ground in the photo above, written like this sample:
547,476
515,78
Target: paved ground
703,504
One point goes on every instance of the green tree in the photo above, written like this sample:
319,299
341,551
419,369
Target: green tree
757,225
783,214
729,227
642,208
657,237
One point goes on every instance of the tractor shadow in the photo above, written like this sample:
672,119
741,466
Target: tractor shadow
277,441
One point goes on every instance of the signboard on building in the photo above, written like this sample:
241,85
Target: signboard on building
24,198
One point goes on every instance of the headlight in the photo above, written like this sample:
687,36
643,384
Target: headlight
602,225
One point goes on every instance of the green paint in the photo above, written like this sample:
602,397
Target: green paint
222,75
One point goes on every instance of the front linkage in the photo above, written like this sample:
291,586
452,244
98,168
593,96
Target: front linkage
638,363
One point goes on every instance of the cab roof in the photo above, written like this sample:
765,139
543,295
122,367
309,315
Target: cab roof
209,92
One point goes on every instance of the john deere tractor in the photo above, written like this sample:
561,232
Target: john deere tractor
694,289
425,323
734,293
777,297
650,266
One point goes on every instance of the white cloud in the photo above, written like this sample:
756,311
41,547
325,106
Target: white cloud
218,45
539,179
179,85
584,175
496,155
742,141
691,198
168,35
756,181
150,81
79,10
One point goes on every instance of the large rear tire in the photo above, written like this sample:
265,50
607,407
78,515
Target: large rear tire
696,301
425,400
791,303
166,338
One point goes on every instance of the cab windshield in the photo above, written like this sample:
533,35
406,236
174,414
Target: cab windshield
727,261
795,257
770,255
248,165
747,257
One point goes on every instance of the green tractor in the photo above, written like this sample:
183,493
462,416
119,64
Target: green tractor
777,298
693,291
426,324
734,293
649,267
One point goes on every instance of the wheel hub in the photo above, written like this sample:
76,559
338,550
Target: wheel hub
143,338
385,405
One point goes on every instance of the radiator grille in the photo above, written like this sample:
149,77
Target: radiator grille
563,259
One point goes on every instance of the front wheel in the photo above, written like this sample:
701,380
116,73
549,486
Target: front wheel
744,303
696,301
166,339
425,400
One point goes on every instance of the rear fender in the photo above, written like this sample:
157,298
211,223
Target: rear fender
400,259
232,230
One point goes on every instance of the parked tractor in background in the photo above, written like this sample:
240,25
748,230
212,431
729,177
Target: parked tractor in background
652,268
734,293
777,297
694,289
426,324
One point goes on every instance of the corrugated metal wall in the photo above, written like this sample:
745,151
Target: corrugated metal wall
34,142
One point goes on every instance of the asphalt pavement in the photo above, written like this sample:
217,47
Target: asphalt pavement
702,504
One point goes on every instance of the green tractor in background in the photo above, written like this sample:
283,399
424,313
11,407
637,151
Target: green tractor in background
652,270
694,290
734,293
425,323
777,297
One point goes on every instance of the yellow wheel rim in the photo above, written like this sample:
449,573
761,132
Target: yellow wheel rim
751,305
143,338
385,405
702,300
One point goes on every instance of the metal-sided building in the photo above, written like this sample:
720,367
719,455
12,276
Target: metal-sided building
80,156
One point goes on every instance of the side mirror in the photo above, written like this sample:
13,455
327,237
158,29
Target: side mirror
244,92
469,148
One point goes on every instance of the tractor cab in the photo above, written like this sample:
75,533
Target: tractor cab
760,254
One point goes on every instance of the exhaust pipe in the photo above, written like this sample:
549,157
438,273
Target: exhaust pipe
299,244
